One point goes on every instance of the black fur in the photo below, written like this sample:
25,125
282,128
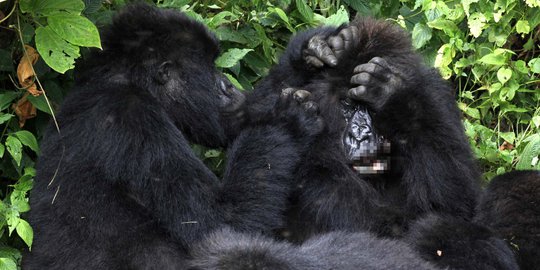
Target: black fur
432,170
458,244
120,188
228,250
511,206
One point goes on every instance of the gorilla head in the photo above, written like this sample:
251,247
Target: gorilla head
174,77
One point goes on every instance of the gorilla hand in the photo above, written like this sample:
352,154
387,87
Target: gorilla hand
377,81
321,50
298,113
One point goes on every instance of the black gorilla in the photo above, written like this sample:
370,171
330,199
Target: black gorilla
227,250
450,242
423,163
510,205
119,187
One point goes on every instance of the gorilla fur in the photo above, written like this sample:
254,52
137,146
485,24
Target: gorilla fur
510,205
118,187
452,243
432,168
228,250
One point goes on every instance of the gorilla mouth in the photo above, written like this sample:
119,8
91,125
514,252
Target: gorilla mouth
370,165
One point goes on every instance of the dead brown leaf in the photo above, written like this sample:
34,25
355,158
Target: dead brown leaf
25,72
506,146
24,109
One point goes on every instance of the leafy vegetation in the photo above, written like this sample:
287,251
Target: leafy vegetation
489,49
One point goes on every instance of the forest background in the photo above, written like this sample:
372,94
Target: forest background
489,50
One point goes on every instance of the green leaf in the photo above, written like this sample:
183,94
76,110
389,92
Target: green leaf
91,6
7,264
76,29
536,121
212,153
2,150
57,53
504,74
304,10
493,59
531,151
28,139
7,98
522,27
14,147
50,7
339,18
521,66
534,64
476,22
25,232
231,57
40,103
5,117
234,81
421,34
508,136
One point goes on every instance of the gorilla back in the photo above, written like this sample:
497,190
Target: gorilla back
118,186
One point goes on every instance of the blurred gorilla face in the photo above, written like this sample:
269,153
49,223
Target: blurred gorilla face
368,152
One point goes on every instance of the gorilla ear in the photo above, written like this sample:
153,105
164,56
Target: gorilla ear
163,75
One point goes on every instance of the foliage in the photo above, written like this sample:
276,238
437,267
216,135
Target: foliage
489,49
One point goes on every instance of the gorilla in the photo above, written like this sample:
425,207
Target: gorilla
118,186
228,250
510,205
393,148
454,243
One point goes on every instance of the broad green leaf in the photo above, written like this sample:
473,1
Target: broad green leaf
521,66
304,10
522,27
231,57
493,59
59,54
2,150
28,139
25,232
536,121
535,65
339,18
504,74
50,7
421,35
40,103
476,22
12,219
92,6
5,117
533,3
8,264
14,147
466,5
19,202
76,29
6,98
531,151
221,18
508,136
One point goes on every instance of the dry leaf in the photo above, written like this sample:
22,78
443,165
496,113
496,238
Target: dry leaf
24,109
506,146
25,72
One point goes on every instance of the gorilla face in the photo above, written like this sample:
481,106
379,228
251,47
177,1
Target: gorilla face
367,151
